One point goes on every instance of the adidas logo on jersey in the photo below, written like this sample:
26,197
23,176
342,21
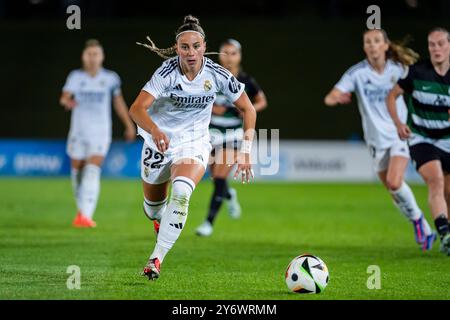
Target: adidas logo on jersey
178,87
176,225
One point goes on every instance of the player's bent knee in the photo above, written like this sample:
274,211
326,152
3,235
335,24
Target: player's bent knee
394,183
77,164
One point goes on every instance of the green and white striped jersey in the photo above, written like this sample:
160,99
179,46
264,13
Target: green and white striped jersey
428,102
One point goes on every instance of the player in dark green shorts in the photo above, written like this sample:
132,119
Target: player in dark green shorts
226,135
427,92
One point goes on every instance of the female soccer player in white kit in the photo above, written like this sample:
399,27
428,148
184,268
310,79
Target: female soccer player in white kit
88,93
173,112
371,80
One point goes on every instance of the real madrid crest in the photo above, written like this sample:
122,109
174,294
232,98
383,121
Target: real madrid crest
207,85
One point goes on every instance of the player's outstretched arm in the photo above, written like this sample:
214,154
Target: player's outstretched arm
138,112
244,168
121,109
403,130
336,96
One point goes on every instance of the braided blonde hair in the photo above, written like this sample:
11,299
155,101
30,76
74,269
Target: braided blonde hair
163,53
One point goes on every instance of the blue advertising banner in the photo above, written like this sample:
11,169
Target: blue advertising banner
49,158
33,158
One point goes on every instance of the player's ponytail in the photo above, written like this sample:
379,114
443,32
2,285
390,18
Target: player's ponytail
398,51
190,24
163,53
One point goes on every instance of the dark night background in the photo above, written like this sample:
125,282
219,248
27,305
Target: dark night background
296,50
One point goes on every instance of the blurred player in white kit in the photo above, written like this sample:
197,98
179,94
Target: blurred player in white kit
89,93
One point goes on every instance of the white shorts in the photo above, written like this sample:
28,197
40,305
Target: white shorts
81,148
155,166
381,157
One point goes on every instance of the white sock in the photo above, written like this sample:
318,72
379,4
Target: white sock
404,200
89,189
174,218
75,176
154,209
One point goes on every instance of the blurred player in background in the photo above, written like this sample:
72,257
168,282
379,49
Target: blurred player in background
173,112
226,135
88,93
427,89
371,80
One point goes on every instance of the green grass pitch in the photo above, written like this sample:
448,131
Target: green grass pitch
350,226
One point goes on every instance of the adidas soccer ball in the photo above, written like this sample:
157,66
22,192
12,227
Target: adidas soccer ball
307,274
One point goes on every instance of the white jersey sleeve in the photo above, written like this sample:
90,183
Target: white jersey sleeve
347,82
71,82
230,87
227,84
159,82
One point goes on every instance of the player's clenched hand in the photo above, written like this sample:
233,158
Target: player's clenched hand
345,98
244,168
403,131
70,104
160,139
